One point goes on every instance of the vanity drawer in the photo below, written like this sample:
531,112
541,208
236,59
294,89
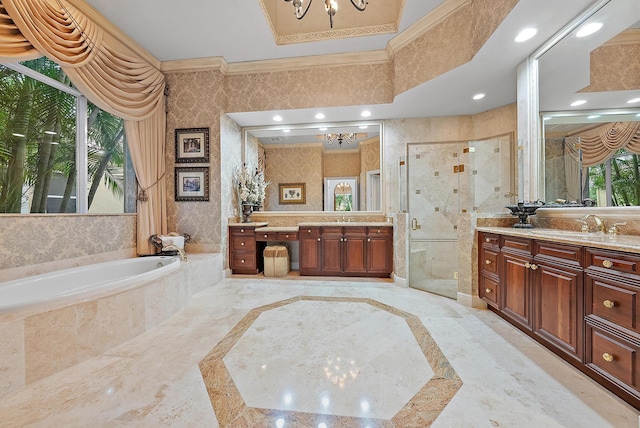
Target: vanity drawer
613,261
613,302
613,357
241,243
266,236
490,239
488,261
244,231
382,231
287,236
509,243
242,261
313,232
569,255
489,289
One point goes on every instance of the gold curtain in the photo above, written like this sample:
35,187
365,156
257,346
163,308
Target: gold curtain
600,143
107,73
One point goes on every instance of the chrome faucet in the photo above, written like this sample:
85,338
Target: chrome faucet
183,254
599,222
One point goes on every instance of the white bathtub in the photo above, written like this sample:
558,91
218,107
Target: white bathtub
84,282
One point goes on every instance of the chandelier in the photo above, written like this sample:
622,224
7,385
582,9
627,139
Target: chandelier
349,138
331,6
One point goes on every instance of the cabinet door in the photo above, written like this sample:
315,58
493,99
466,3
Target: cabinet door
310,247
354,246
332,254
380,255
517,289
559,314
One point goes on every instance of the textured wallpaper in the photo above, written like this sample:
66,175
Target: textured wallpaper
341,164
294,165
370,155
196,100
612,69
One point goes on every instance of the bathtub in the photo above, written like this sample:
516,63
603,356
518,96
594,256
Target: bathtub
83,283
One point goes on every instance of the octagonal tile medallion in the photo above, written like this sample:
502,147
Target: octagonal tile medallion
309,361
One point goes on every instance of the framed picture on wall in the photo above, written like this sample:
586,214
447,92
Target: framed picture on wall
292,193
192,145
192,184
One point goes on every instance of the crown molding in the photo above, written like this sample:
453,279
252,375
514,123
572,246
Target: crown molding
196,64
114,31
379,56
424,24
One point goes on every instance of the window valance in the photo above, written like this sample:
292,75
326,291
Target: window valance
600,143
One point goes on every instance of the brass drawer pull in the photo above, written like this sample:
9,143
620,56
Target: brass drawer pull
527,265
488,290
241,230
318,239
242,244
488,262
368,239
534,267
309,231
266,235
286,236
607,263
242,261
608,304
607,357
487,239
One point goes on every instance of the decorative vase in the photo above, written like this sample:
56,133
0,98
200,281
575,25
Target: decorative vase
247,210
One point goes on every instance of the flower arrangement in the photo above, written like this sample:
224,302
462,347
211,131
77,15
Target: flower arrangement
251,186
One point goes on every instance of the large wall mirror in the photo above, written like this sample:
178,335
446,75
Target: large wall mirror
589,98
337,166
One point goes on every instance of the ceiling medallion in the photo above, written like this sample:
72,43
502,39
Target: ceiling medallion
330,6
349,138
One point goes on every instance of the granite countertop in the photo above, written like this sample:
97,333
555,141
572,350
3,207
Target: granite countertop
252,224
346,223
277,229
628,243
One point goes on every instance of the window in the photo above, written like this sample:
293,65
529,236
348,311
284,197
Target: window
615,182
51,139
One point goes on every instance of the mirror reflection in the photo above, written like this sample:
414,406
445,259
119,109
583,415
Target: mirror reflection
340,164
590,109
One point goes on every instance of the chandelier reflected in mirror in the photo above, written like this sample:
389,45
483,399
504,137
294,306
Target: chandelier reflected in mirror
349,138
330,6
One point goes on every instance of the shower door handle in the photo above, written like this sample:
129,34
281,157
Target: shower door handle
414,224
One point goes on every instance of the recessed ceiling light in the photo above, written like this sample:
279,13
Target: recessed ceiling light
526,34
588,29
634,100
365,113
478,96
15,134
593,116
50,132
277,118
324,128
286,130
319,116
578,103
363,126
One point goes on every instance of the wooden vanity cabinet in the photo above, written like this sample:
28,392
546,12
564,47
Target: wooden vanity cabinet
558,298
613,320
579,302
517,277
310,250
244,250
488,266
346,251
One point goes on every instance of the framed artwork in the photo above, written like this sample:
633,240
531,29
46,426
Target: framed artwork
192,184
192,145
292,193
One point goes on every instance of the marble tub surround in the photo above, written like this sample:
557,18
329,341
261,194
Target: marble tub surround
43,343
154,379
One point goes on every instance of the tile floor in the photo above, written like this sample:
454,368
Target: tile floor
321,353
